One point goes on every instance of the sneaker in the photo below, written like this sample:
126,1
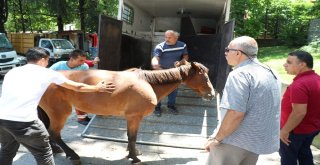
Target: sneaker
173,109
157,112
84,121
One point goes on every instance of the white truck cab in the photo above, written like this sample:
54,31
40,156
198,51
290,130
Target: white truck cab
59,49
8,56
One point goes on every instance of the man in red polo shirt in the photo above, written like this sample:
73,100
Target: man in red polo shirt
300,110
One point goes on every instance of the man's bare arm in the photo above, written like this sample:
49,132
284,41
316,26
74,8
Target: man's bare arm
229,124
296,116
81,87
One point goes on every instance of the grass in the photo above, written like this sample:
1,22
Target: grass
276,56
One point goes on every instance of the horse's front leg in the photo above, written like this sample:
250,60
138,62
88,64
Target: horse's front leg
133,124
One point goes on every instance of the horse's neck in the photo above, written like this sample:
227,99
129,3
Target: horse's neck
165,81
163,90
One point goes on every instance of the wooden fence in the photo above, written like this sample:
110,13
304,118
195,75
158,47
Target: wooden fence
23,41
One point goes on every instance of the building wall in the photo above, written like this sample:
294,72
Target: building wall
142,22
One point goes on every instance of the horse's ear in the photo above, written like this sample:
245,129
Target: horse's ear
195,66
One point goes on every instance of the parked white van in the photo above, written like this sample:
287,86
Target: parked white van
8,56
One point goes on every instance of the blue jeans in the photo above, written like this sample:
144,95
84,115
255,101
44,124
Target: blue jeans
33,135
171,99
298,150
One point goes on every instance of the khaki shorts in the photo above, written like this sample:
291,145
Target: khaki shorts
225,154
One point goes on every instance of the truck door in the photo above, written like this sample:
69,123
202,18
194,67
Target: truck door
224,69
110,31
209,50
46,44
118,51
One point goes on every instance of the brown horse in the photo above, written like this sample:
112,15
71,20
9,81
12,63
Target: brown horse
136,95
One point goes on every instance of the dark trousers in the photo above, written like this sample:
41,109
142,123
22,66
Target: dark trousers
298,150
33,135
171,99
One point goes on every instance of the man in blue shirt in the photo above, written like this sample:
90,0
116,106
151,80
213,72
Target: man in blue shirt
169,54
76,62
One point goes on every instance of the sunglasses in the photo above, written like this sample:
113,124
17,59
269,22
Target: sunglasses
229,49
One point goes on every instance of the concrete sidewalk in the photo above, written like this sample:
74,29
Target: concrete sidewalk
101,152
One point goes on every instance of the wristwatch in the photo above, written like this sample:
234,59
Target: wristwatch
214,140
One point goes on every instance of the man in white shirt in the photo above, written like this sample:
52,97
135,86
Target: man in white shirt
22,90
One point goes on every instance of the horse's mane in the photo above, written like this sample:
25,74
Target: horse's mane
165,76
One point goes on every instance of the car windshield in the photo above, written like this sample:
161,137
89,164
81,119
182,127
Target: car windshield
4,43
62,44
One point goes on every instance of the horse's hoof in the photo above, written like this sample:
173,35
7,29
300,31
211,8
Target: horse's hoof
135,161
73,158
138,163
76,162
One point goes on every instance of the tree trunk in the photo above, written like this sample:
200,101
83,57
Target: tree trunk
3,14
22,17
60,23
265,24
82,15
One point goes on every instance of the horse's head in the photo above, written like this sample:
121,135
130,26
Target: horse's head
199,81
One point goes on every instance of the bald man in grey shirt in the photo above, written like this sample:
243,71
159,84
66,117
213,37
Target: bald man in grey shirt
249,109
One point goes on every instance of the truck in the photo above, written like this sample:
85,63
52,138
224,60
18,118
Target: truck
8,56
204,25
59,49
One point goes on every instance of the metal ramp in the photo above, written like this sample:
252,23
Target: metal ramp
189,129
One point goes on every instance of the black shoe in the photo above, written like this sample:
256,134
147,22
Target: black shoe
173,109
157,112
84,121
87,118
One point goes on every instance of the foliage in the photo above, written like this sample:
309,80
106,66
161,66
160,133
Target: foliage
95,8
286,20
34,16
295,27
247,14
313,47
45,15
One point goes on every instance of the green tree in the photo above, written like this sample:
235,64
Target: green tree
96,7
248,15
60,8
29,15
51,15
295,28
286,20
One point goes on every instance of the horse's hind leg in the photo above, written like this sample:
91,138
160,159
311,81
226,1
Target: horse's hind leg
58,117
133,123
69,152
46,121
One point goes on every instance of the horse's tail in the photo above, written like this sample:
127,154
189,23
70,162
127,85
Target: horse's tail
43,117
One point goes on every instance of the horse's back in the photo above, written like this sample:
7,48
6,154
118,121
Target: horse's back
130,92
